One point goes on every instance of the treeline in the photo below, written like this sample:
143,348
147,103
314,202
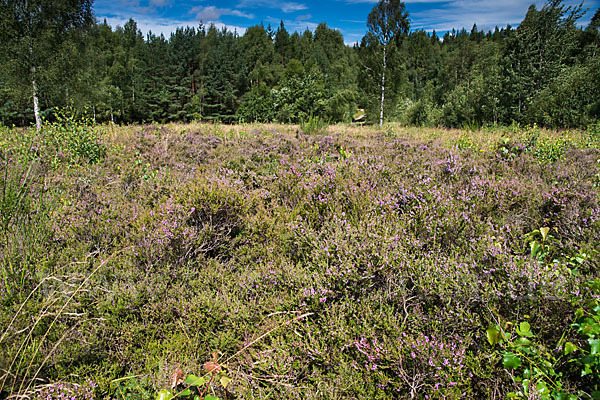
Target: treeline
546,71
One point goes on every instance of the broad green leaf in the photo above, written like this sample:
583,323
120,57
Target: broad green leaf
493,335
542,389
524,329
590,328
225,380
570,348
594,346
164,395
535,249
194,380
511,361
544,231
523,342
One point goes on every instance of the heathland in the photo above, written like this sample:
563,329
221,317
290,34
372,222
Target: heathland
285,261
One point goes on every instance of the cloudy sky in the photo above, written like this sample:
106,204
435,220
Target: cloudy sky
349,16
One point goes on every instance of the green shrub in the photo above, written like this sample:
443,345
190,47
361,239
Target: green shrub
72,139
314,125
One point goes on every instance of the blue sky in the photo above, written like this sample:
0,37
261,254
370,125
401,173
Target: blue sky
349,16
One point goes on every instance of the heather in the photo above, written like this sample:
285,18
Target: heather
307,261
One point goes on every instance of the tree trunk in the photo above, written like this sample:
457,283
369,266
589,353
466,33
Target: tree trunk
36,105
383,86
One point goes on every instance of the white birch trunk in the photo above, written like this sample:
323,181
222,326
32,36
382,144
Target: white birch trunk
383,85
36,104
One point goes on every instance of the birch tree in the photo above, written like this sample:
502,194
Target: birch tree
387,21
33,30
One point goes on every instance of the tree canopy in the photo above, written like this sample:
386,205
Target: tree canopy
60,56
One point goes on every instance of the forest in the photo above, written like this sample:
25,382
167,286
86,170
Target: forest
546,71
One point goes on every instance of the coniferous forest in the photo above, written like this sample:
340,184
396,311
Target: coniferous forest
545,71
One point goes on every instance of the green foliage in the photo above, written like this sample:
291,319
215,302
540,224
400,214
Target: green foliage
314,125
72,139
592,132
536,54
532,365
300,96
257,105
546,71
550,150
196,387
542,244
587,324
545,149
565,102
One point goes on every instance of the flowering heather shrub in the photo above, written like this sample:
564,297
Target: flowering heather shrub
434,366
344,264
65,391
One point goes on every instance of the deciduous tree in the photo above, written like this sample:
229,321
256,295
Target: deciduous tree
32,31
387,21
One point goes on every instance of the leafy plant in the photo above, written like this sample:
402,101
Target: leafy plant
196,387
587,324
507,149
529,362
541,243
313,125
73,139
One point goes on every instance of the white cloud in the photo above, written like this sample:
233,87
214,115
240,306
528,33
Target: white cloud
303,17
212,13
286,6
446,15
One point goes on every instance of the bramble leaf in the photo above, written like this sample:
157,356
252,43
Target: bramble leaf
570,348
522,341
511,361
493,335
225,380
164,395
194,380
524,329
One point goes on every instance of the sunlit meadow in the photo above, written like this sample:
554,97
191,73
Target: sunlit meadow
334,262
